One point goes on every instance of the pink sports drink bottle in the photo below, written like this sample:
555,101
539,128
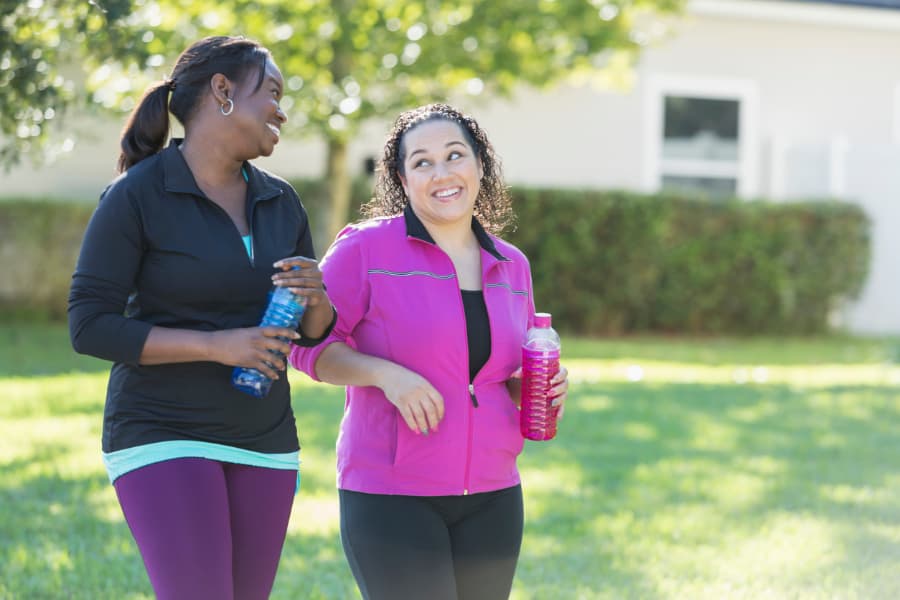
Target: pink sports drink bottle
540,362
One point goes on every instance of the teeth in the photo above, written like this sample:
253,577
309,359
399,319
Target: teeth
274,129
446,193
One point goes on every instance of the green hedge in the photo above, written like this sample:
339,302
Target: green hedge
39,243
604,262
617,262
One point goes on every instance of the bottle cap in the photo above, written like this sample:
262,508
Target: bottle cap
542,320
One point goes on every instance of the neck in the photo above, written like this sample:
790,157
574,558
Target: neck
453,238
208,163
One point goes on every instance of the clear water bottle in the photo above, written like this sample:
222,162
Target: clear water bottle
540,362
285,310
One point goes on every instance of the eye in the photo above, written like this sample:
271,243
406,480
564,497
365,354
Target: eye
454,155
422,162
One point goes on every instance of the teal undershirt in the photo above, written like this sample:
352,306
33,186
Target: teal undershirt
123,461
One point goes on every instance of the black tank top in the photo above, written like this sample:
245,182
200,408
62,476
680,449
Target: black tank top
478,330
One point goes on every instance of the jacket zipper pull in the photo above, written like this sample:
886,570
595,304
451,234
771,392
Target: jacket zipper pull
472,394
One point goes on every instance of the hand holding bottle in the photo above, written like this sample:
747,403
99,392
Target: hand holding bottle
539,409
252,347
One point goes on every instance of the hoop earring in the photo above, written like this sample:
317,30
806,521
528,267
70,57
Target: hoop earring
230,105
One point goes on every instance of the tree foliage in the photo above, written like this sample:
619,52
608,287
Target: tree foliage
344,60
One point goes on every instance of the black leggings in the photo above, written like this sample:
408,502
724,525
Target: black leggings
435,547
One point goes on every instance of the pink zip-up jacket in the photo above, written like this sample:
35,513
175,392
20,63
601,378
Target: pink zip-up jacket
397,297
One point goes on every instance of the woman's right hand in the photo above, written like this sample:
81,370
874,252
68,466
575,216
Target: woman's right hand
251,347
419,403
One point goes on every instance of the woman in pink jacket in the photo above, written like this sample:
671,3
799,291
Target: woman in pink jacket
432,312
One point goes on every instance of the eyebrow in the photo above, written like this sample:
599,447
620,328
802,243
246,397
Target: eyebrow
447,145
276,82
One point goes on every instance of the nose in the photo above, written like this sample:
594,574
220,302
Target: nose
281,115
440,170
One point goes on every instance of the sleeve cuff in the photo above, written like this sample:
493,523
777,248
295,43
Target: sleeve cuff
307,341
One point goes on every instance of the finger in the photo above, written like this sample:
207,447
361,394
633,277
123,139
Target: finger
559,415
273,332
419,418
517,374
310,293
407,415
561,375
558,400
297,273
438,402
433,413
267,368
294,261
560,390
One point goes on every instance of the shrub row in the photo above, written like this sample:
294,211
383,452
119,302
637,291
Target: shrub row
618,262
604,262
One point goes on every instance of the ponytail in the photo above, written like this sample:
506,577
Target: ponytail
147,127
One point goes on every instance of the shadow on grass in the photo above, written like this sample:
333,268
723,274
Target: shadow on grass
700,466
42,349
63,536
58,536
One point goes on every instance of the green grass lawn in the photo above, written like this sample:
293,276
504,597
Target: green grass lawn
684,469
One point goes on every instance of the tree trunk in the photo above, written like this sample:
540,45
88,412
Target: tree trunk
337,178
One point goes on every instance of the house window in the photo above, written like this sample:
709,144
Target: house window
700,135
700,145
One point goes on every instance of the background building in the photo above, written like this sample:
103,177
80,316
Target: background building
780,99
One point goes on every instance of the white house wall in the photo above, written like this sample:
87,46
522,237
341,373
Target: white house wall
817,82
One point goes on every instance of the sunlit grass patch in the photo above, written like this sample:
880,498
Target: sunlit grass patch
701,469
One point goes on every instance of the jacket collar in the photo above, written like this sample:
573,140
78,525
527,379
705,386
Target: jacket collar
415,228
179,179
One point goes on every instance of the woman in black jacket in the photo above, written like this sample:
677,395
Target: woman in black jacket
170,285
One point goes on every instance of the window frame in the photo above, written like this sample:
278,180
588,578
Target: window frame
745,170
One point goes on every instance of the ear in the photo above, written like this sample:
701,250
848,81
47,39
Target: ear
480,169
403,183
222,88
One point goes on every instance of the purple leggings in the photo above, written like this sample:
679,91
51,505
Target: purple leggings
208,529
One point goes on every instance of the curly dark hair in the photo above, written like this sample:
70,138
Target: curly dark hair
493,207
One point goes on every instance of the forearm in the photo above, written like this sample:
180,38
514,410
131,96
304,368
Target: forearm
316,320
339,364
165,345
514,385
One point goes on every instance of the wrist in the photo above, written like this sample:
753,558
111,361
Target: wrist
211,346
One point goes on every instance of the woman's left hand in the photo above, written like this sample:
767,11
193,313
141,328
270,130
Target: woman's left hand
560,390
303,277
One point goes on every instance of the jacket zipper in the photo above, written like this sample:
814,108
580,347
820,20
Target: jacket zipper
469,436
250,207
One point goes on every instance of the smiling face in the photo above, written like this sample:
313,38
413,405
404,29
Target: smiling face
257,113
440,173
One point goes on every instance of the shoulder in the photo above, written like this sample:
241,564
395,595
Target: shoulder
270,179
139,178
266,179
132,191
380,229
509,250
359,239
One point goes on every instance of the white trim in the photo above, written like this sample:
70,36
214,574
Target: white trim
858,17
837,166
701,168
896,138
657,87
778,166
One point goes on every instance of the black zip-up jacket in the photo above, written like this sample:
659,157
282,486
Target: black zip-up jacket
157,251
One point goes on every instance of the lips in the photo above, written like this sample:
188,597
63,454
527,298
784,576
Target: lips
275,130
